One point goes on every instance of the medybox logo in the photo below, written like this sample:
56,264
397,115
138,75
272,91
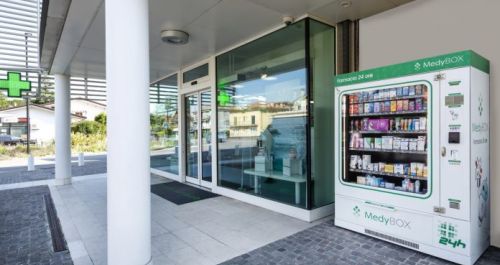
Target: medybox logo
417,66
388,220
356,211
381,218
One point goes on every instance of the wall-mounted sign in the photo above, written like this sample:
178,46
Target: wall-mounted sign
14,85
9,119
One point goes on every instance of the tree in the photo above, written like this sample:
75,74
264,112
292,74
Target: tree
46,95
6,103
101,118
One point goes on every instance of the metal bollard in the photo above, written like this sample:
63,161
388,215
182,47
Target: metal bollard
81,160
31,163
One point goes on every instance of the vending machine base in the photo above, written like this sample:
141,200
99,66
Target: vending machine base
431,234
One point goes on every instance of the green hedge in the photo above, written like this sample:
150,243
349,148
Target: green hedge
88,128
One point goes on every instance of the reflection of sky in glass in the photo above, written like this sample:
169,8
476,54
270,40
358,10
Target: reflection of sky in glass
286,87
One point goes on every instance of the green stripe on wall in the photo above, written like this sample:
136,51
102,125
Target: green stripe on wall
431,64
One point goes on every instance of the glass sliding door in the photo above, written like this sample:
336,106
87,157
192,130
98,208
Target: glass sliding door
192,133
199,138
206,141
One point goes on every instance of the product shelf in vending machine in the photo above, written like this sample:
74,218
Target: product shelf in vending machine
409,141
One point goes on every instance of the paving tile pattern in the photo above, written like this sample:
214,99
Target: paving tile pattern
24,230
328,244
43,172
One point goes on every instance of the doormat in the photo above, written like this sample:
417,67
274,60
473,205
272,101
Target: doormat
179,193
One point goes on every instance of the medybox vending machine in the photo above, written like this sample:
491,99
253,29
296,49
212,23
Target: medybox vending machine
412,156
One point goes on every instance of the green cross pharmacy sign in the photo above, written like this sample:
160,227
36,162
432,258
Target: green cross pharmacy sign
224,98
14,85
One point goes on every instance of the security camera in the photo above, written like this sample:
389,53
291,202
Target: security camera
288,20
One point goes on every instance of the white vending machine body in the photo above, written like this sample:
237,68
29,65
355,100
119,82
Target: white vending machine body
412,167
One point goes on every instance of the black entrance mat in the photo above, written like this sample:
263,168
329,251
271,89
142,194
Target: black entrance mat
179,193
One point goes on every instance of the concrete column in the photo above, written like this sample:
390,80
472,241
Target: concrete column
127,77
63,135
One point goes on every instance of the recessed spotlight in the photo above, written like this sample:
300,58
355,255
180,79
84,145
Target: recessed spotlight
176,37
345,3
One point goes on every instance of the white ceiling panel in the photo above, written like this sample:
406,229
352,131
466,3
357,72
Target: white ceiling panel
334,12
213,25
82,12
96,34
400,2
174,14
225,24
292,7
90,62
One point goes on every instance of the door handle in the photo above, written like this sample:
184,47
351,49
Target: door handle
443,151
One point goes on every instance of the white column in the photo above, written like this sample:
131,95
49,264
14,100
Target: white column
63,135
127,76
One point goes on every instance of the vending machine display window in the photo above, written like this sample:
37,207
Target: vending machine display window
385,139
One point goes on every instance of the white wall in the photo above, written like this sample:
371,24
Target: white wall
432,27
87,108
42,122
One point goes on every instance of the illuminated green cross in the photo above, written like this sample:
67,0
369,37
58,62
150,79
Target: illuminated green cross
223,98
14,85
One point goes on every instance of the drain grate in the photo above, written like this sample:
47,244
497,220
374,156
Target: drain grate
58,242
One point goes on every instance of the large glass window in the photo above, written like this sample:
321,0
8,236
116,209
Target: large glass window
268,143
164,125
262,119
322,63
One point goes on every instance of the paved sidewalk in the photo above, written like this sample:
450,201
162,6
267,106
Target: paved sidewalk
326,244
24,230
93,165
205,232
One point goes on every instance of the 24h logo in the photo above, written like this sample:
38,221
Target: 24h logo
448,236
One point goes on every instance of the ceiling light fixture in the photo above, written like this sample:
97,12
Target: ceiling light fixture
176,37
345,3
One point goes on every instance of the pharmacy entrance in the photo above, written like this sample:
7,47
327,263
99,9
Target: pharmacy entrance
197,119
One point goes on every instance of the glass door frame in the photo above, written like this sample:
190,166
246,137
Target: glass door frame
199,179
201,85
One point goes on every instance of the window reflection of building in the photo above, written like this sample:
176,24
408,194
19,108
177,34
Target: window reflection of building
242,125
265,117
165,126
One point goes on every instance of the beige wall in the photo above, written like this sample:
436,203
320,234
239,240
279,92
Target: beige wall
431,27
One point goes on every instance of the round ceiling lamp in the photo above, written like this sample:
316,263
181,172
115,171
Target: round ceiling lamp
175,37
345,3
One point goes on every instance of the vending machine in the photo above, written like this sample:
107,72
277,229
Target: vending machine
412,155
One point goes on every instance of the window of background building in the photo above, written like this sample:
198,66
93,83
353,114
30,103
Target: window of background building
164,125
